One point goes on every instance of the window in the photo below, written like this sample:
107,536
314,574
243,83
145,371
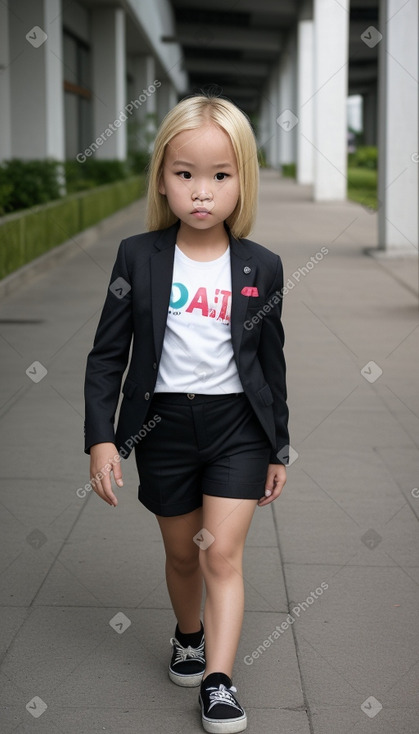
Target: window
77,95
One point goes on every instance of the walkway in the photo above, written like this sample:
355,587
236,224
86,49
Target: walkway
329,641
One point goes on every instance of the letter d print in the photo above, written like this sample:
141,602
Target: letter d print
203,539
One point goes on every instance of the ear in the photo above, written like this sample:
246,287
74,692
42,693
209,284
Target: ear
162,188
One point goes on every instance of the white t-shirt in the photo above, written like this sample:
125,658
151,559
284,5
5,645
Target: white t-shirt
197,354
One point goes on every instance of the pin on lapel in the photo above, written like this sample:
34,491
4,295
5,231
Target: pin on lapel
247,270
249,291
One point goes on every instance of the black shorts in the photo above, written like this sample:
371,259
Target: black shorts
202,444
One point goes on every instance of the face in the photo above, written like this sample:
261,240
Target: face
200,177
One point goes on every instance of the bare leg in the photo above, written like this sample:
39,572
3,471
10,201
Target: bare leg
183,572
228,520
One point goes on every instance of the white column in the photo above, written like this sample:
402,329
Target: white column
331,24
287,104
148,89
5,121
163,100
140,100
151,109
305,104
109,82
263,122
145,77
149,86
36,79
398,127
166,99
173,97
272,146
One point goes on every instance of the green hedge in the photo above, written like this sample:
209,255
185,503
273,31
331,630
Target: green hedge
28,183
93,173
32,232
289,170
24,184
365,156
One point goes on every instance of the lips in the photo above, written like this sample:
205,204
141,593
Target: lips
204,207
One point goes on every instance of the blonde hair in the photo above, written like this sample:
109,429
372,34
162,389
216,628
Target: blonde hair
192,113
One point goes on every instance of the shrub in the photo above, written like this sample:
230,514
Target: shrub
289,170
139,161
27,183
262,158
93,172
24,184
365,157
6,190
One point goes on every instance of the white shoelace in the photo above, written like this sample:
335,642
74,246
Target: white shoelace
183,653
223,695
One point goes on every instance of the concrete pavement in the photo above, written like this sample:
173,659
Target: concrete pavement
85,618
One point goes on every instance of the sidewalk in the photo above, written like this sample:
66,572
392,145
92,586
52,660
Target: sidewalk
85,618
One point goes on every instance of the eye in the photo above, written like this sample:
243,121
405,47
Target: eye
221,176
185,175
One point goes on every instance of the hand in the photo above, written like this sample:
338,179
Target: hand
104,459
275,480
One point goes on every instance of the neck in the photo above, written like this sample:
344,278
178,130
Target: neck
202,244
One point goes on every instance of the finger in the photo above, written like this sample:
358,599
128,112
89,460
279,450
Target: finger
107,489
101,493
275,478
103,489
108,497
271,495
117,472
270,484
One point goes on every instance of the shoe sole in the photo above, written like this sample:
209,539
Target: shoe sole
224,727
186,681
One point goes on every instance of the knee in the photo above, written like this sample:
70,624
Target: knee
184,563
220,561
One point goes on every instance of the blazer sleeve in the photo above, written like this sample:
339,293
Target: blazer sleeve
271,352
108,359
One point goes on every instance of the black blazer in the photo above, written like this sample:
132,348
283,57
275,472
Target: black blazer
136,307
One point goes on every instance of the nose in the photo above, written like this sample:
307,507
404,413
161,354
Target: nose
202,194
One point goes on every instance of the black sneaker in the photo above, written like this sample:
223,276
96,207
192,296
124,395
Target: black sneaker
221,712
187,665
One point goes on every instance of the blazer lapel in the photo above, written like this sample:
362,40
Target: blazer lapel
243,275
161,265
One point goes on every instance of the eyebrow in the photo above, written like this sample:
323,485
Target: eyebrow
192,165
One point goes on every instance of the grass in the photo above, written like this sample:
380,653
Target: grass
362,184
362,187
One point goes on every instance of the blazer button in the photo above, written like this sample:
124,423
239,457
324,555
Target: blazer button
154,365
147,396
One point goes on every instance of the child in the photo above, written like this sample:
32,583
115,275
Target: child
204,397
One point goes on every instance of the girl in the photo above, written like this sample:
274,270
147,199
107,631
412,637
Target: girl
204,397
